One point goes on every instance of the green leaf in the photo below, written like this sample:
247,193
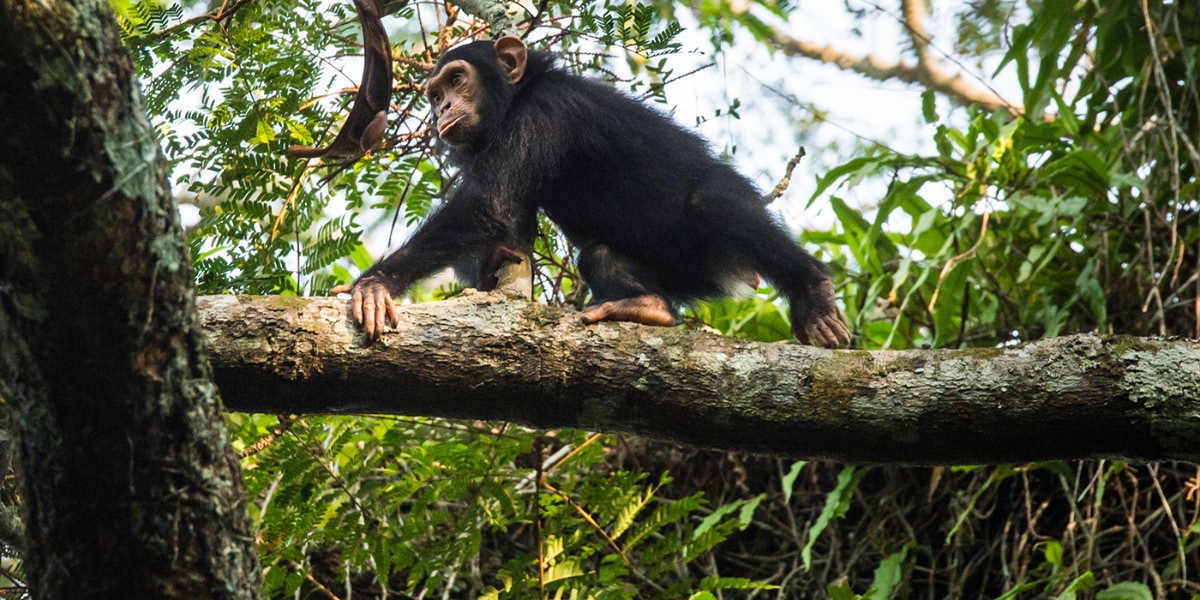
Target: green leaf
1054,553
1066,116
746,514
929,106
837,502
716,517
1082,583
732,583
853,170
1089,290
789,480
888,574
841,591
1126,590
563,570
263,132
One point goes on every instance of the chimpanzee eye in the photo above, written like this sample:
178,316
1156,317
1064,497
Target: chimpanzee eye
435,98
456,79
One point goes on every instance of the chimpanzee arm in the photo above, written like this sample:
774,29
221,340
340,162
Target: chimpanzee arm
466,229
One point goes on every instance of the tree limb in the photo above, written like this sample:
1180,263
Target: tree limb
494,12
480,357
929,71
932,70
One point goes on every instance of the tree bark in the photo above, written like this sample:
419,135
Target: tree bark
930,71
494,12
129,486
480,357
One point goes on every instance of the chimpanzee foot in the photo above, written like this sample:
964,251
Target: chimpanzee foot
816,319
647,310
829,331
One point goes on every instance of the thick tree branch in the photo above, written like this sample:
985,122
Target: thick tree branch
494,12
481,357
929,72
932,70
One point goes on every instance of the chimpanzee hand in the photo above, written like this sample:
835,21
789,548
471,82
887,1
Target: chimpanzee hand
371,305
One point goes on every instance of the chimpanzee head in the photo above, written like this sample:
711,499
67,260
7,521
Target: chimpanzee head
471,89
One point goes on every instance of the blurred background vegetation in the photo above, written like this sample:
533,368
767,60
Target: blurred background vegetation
999,171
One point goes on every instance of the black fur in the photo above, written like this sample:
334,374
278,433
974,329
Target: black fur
646,201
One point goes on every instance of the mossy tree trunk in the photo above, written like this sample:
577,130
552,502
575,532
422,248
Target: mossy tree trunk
129,486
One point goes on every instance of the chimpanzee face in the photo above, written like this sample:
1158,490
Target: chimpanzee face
456,96
466,93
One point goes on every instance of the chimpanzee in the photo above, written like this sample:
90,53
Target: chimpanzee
658,219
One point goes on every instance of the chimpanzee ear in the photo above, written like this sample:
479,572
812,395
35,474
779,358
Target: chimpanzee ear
512,55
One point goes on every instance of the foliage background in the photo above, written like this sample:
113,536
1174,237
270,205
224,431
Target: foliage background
1072,209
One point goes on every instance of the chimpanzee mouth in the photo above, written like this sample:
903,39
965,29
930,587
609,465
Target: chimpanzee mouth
445,127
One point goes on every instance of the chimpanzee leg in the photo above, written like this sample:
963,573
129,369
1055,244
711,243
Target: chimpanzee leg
804,281
749,232
621,290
